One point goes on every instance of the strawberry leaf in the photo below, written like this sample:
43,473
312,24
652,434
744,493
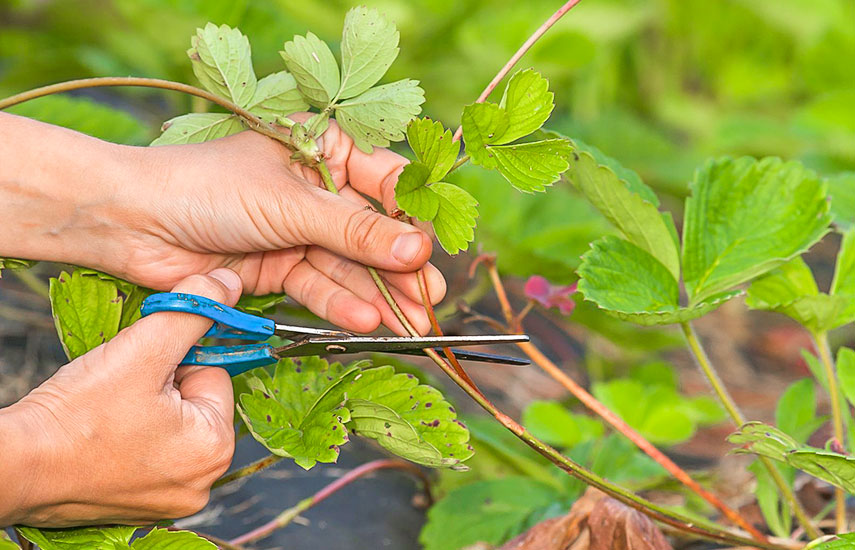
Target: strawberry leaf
413,195
528,103
369,45
311,62
162,539
222,61
433,146
276,95
112,538
198,127
532,166
87,311
380,115
455,217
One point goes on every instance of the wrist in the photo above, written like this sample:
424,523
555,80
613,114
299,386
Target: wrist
66,197
23,465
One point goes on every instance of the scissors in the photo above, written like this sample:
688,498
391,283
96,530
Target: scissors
231,323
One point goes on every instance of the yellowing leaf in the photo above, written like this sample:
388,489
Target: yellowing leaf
222,61
369,45
276,95
311,62
380,115
198,127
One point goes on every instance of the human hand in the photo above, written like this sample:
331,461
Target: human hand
121,434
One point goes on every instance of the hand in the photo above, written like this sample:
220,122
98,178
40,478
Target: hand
120,435
156,215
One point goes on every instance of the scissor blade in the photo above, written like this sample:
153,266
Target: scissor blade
390,344
476,356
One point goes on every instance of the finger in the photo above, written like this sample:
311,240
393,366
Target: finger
159,341
352,275
328,299
210,390
358,233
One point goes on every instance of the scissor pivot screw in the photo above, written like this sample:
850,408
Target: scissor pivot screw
333,348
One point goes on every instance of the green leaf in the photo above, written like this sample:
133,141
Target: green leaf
6,543
455,218
198,127
311,62
369,45
841,189
487,511
795,414
260,304
422,407
87,311
433,146
382,424
553,423
380,115
764,440
85,115
775,510
412,194
276,95
846,372
745,217
222,61
483,124
841,542
14,264
527,102
298,412
79,537
637,219
134,297
532,166
162,539
631,178
844,269
632,285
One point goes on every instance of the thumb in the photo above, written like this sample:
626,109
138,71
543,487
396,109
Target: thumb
359,233
162,339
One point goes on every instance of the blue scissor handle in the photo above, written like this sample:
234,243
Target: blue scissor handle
228,322
235,359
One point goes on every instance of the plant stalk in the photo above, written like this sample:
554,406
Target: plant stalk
605,413
739,419
821,340
247,470
287,516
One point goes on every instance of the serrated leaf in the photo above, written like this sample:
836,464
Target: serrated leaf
486,511
680,315
112,538
841,189
311,62
14,264
746,217
276,95
528,103
630,177
455,218
382,424
412,194
86,310
433,146
841,542
483,125
532,166
637,219
422,407
765,440
298,412
163,539
380,115
198,127
222,61
369,45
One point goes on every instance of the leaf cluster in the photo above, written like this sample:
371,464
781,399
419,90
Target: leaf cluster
112,538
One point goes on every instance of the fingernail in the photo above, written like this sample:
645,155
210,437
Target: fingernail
406,247
229,278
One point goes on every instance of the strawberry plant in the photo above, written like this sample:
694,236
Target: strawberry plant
747,221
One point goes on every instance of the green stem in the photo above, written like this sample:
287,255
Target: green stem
739,419
32,282
247,470
837,420
460,162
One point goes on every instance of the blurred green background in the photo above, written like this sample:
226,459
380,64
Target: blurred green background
657,84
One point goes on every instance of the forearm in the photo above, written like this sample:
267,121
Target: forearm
63,195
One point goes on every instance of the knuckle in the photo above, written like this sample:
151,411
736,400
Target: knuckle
361,230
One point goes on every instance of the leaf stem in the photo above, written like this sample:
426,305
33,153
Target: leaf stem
458,163
247,470
32,282
821,340
287,516
739,419
519,53
605,413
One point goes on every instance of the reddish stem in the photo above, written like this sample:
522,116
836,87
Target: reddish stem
287,516
519,53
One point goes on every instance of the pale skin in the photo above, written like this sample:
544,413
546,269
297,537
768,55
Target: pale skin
122,434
